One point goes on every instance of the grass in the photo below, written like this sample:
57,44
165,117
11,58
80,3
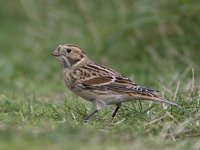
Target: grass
153,42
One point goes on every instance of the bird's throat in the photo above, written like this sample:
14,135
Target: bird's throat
65,64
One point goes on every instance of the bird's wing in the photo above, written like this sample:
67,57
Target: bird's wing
102,78
115,84
96,77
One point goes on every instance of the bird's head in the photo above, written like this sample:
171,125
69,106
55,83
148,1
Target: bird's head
69,55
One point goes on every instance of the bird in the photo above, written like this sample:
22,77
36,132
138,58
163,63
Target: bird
99,84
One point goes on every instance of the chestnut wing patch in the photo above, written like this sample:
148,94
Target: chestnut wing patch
117,84
97,81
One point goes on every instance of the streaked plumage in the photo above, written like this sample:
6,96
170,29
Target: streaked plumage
99,84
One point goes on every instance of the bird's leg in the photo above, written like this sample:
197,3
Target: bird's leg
99,105
116,110
86,118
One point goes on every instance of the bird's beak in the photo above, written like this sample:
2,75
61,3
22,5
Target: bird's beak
56,53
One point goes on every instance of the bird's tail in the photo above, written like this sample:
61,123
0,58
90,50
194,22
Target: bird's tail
152,97
167,102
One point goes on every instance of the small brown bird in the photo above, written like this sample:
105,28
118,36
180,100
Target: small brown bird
99,84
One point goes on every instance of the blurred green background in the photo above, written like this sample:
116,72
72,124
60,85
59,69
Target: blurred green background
155,42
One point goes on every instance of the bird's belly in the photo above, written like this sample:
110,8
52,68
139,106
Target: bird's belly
109,97
78,91
87,95
114,99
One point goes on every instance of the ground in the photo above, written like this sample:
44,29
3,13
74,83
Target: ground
155,43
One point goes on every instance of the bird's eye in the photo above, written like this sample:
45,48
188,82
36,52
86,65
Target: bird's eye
69,50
